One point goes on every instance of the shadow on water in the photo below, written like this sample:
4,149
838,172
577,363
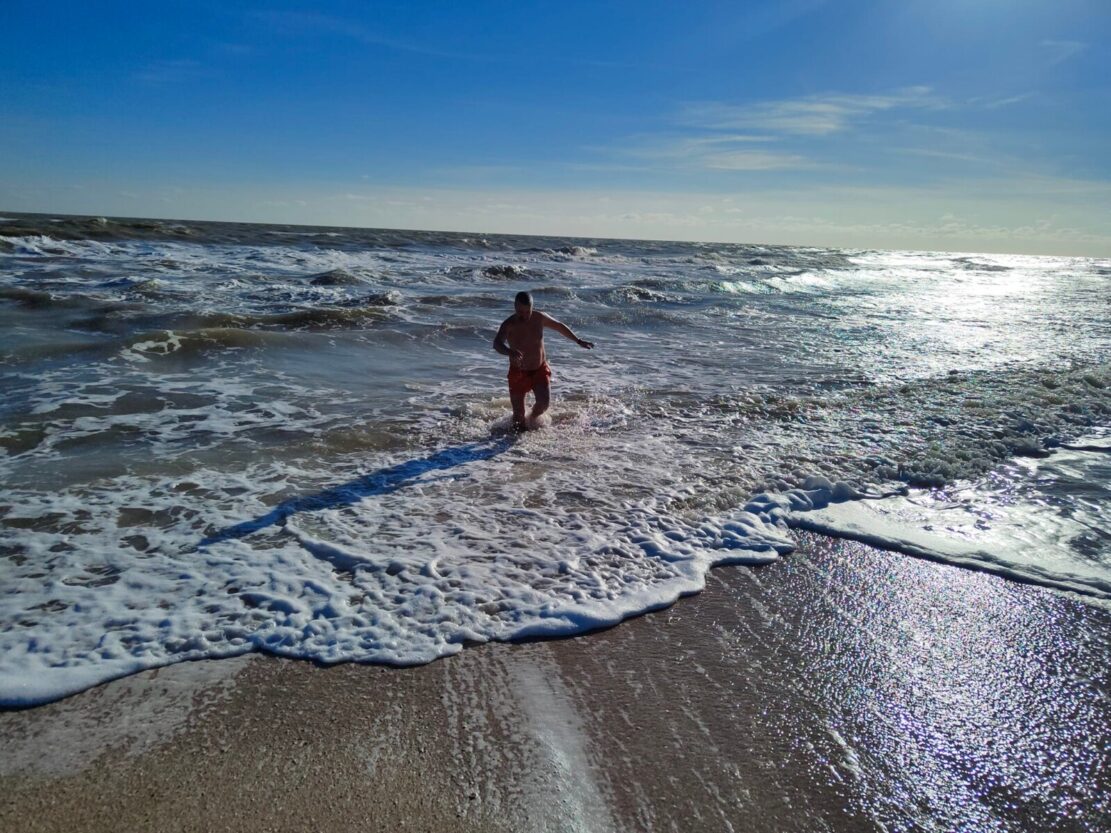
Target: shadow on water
380,482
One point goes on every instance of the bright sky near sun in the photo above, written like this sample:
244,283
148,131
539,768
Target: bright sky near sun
976,125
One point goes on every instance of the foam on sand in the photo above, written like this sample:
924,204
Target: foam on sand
377,569
1016,526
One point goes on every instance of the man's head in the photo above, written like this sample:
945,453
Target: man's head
523,304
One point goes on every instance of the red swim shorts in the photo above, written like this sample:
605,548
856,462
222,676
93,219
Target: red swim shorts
522,381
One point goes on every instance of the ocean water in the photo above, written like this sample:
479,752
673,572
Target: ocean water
222,438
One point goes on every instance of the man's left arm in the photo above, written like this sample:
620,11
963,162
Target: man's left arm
564,330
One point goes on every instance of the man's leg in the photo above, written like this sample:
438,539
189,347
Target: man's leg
517,399
543,393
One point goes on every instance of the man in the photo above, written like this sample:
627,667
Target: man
521,337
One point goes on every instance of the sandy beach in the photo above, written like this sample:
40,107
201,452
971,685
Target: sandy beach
843,688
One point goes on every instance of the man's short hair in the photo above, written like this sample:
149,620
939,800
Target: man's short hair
524,299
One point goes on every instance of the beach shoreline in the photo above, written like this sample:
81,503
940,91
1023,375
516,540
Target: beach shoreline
841,688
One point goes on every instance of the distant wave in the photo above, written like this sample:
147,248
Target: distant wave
199,341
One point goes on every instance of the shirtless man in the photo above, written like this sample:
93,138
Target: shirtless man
521,337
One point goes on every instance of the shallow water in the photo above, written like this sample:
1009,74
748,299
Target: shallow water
222,438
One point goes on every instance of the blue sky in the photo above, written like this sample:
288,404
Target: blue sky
943,124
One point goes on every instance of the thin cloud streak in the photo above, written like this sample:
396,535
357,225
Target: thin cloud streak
713,153
781,125
744,160
1063,50
1008,101
176,71
751,20
933,153
818,115
298,23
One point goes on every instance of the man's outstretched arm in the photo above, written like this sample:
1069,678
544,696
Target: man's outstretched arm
564,330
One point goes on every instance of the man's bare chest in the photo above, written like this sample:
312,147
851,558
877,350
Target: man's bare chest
526,332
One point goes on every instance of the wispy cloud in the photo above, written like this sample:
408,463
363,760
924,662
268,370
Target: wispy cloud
816,115
300,23
985,150
177,71
1061,50
751,160
232,49
996,102
750,20
950,156
729,152
779,135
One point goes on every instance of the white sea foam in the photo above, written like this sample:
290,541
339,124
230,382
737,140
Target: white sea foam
42,245
400,566
741,286
1016,528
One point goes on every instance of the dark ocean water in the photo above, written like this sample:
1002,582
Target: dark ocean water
220,438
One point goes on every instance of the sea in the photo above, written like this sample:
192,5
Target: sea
218,438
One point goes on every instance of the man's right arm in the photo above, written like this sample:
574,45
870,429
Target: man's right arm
501,346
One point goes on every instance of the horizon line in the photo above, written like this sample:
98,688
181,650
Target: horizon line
4,212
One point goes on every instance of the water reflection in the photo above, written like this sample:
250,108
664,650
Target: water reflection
965,706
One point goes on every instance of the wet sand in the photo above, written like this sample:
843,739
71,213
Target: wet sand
840,689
